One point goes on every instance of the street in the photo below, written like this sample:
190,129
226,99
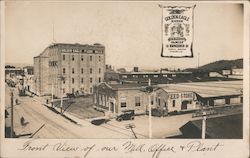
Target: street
35,115
56,126
52,125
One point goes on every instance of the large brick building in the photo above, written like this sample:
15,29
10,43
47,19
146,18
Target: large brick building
69,68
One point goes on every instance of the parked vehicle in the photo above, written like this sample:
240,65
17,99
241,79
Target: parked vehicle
98,122
70,95
126,115
10,83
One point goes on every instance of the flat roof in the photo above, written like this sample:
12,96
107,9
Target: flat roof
127,86
207,89
154,72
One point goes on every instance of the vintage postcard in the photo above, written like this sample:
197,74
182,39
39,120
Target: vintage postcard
124,79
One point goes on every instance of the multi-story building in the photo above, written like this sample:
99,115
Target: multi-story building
71,68
41,71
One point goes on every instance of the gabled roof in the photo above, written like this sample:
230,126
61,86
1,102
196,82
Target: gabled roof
224,127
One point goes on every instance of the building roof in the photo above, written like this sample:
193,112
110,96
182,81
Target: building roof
207,89
128,86
77,44
28,67
153,73
14,69
224,127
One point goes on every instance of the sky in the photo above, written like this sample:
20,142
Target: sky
130,31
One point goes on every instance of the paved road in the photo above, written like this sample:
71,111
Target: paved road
56,126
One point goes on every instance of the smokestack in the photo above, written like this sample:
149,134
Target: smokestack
136,69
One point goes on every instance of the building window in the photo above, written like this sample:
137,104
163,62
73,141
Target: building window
63,90
104,100
81,80
73,71
155,75
64,70
63,57
90,90
145,76
123,102
173,103
165,75
73,58
90,58
90,80
152,100
159,101
81,58
124,76
135,76
73,80
90,70
100,99
107,101
137,101
95,98
63,81
100,79
99,58
100,70
82,70
73,90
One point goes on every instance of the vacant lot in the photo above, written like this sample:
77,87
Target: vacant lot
81,107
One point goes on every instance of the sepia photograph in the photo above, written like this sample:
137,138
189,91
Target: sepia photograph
124,70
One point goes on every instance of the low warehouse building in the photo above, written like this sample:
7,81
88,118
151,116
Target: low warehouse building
168,98
120,97
175,100
213,93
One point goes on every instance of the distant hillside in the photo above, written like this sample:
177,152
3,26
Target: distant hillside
219,65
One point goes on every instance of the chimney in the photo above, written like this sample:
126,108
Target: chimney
136,69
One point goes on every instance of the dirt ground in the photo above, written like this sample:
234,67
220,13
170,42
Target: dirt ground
81,107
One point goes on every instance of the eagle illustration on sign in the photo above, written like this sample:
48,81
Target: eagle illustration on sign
177,31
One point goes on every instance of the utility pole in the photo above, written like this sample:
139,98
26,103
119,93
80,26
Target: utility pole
149,117
131,126
204,113
204,117
12,117
61,89
52,89
198,60
61,98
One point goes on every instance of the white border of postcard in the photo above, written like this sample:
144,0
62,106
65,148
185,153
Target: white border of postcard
95,147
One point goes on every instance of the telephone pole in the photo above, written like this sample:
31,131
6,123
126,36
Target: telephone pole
61,91
150,115
12,117
204,117
52,94
198,60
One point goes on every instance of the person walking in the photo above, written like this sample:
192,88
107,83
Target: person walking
22,121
